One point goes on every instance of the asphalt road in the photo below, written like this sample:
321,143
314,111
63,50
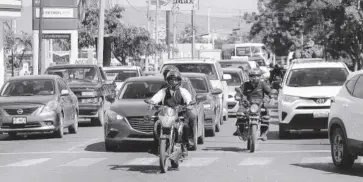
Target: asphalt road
81,157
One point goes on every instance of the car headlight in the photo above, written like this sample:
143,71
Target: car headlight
290,98
254,108
51,106
119,117
207,106
113,116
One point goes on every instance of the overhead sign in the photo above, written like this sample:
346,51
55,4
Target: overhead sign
56,13
181,5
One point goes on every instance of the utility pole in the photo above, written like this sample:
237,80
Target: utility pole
40,44
157,33
148,15
174,32
240,24
193,34
167,39
101,25
209,25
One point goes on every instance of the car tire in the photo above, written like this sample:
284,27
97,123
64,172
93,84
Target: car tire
60,132
201,138
344,160
73,129
283,133
12,135
100,120
110,147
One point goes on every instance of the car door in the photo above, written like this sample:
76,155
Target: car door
224,85
65,102
356,109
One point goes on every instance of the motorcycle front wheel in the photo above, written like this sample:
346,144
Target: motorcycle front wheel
162,157
253,139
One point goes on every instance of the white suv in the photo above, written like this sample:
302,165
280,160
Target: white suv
346,122
304,100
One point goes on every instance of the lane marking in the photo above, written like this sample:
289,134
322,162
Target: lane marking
142,161
316,160
295,151
82,162
252,161
84,144
29,162
198,161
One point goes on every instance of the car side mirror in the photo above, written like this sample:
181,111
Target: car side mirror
216,91
110,98
201,97
227,77
64,92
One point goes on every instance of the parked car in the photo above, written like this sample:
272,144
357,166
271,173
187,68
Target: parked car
41,103
213,71
345,122
91,86
235,63
303,101
237,80
209,98
120,73
125,121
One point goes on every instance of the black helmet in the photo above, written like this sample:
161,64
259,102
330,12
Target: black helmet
167,69
173,74
255,72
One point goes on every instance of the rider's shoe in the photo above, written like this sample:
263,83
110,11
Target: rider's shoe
184,151
235,133
264,137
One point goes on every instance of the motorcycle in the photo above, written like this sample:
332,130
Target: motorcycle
249,124
170,127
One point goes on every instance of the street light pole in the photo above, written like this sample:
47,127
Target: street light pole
101,25
40,44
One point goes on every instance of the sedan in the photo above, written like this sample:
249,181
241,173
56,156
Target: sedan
209,98
125,120
41,103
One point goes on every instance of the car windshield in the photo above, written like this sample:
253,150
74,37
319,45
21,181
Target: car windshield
120,75
28,88
69,74
140,90
235,80
199,85
309,77
207,69
245,65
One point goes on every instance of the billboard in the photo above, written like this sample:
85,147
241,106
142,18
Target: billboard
181,5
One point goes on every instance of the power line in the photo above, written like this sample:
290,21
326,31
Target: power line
128,2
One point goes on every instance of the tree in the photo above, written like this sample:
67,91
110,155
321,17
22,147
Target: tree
186,36
133,42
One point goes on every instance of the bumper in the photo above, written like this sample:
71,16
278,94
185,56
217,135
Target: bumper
87,110
304,115
123,131
209,118
34,123
232,105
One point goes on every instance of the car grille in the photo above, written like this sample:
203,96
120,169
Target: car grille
313,107
13,126
138,123
26,111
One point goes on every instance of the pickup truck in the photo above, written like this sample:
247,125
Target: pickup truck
89,83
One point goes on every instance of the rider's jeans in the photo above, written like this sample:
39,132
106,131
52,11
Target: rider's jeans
243,109
190,120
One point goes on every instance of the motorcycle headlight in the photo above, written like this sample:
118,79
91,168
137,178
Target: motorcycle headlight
50,106
254,108
207,106
290,98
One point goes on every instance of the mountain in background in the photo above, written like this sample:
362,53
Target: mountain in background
137,17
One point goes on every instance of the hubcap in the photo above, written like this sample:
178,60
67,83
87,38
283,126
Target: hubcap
338,148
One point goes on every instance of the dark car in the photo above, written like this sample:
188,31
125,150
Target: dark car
41,103
125,121
90,84
209,98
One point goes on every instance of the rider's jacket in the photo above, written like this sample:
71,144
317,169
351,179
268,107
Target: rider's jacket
252,91
167,97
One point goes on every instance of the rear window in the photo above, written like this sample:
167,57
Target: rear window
244,65
236,79
199,85
121,75
207,69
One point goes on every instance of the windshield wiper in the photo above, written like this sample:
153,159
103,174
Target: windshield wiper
28,94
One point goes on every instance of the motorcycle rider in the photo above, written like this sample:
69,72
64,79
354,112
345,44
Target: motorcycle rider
174,95
277,71
251,90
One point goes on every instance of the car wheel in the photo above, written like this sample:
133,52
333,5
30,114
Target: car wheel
73,129
283,133
201,138
110,147
60,132
218,122
341,157
100,120
12,135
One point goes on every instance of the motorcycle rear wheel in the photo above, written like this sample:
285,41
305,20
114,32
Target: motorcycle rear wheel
254,138
162,157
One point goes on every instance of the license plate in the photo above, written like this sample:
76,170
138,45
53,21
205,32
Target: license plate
19,120
321,114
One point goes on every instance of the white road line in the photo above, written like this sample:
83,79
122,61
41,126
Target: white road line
29,162
316,160
82,162
198,162
142,161
256,161
295,151
84,144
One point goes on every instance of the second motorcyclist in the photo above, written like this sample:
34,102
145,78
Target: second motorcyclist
252,90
